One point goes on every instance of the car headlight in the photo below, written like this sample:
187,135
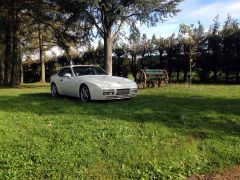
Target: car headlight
134,91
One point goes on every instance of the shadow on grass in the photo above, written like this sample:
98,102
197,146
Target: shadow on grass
33,86
197,115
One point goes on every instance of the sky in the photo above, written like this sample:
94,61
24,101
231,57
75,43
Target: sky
192,11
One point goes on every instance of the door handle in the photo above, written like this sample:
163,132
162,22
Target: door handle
61,80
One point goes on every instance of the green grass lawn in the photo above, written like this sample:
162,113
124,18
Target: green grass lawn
163,133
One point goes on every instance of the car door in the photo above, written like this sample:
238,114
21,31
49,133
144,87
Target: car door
67,84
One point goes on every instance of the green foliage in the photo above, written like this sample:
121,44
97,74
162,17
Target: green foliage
107,18
166,133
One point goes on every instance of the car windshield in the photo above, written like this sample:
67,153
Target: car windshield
88,70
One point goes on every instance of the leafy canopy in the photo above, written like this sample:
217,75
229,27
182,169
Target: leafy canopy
111,15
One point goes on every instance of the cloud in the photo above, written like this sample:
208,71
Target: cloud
162,29
221,8
192,11
206,11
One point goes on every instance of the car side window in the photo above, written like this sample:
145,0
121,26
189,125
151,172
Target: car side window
65,71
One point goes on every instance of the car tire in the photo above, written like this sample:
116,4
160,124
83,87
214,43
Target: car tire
54,90
84,94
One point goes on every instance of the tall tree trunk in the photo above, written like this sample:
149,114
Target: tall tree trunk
2,57
169,65
190,66
16,59
160,58
8,49
8,60
178,72
185,75
40,41
22,74
237,75
69,58
150,60
108,43
133,67
237,67
2,44
227,75
1,66
118,67
215,75
170,75
142,61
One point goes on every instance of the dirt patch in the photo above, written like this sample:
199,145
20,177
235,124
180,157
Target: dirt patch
227,174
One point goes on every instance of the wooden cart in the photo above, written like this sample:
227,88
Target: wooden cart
152,77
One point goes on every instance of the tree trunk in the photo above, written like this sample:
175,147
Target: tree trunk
237,76
1,67
69,58
185,76
238,59
227,76
22,74
133,67
160,58
2,44
169,67
118,67
178,72
2,58
108,51
190,68
16,59
40,41
142,61
215,75
170,75
8,49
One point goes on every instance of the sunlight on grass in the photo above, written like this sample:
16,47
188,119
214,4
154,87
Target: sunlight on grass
162,133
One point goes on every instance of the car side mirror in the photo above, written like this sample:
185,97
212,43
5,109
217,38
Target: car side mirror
67,75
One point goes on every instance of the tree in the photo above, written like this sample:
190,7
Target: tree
236,47
134,50
186,33
143,48
215,46
152,47
37,36
229,29
53,29
201,50
170,43
10,63
119,50
109,17
160,47
100,53
2,43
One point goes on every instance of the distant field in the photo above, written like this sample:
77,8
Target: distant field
164,133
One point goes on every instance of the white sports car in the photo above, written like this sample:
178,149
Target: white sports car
89,82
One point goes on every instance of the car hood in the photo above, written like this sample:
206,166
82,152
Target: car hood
106,81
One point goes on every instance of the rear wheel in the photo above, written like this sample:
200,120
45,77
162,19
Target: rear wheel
54,90
85,94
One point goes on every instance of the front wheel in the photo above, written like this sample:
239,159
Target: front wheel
54,90
85,94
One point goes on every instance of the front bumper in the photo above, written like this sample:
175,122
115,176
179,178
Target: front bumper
115,94
130,94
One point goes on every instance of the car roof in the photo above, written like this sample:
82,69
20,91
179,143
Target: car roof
78,66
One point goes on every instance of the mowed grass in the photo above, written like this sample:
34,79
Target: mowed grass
163,133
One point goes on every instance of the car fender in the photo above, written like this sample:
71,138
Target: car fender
95,90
